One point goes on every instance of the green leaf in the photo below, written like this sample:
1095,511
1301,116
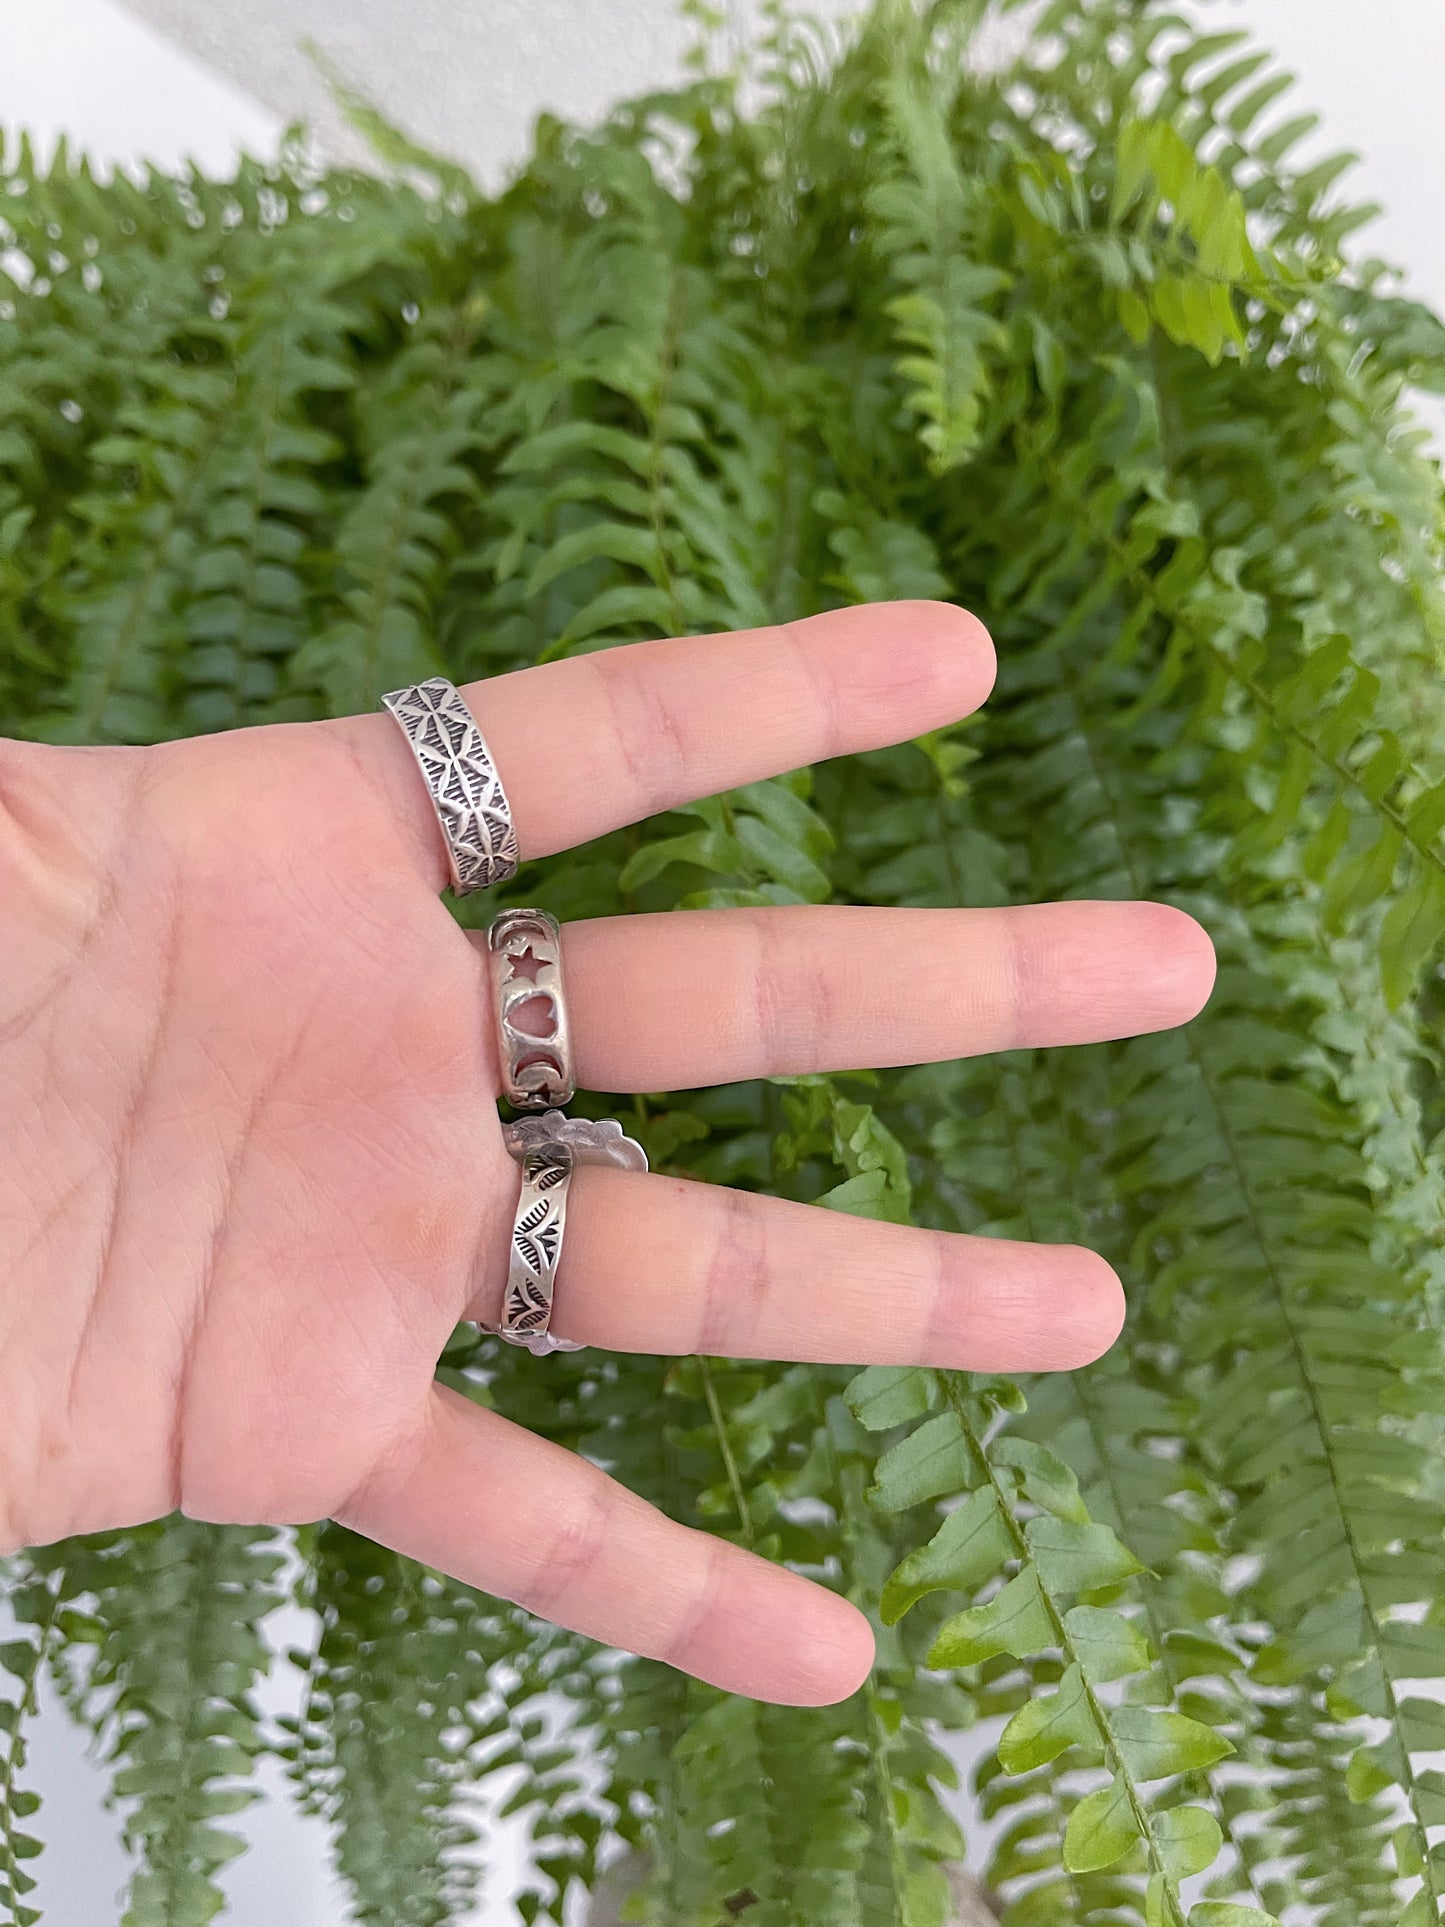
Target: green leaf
970,1546
1423,1910
931,1462
1078,1558
709,849
1411,934
1422,1725
1045,1477
1360,881
887,1395
1133,314
1048,1725
1226,1913
632,606
1016,1620
1188,1840
868,1194
1108,1645
601,541
1155,1743
1101,1829
1374,1768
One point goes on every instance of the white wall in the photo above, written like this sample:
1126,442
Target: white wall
123,93
119,90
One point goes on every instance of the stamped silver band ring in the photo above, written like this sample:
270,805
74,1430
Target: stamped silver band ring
535,1250
461,780
548,1147
524,955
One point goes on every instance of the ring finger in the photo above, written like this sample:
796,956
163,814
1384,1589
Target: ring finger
663,1264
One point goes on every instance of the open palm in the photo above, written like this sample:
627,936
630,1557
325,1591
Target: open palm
251,1170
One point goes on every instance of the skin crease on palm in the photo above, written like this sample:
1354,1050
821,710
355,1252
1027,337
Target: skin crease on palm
251,1170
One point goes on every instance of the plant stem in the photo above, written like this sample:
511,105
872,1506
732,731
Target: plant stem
725,1446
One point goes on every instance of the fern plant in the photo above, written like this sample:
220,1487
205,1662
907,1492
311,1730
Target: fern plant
1077,344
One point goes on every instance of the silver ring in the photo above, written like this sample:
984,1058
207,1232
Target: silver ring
535,1251
524,954
461,780
548,1147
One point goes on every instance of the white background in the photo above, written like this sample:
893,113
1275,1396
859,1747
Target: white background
123,92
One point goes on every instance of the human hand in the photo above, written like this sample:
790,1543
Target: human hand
251,1170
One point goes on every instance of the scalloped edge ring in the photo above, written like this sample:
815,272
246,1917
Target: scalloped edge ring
548,1147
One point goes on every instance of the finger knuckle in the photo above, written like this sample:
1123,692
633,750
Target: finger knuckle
579,1532
793,995
735,1282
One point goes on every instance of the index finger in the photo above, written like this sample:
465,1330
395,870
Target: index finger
590,743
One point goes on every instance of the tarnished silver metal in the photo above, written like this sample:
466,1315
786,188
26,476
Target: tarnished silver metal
535,1251
590,1140
461,780
549,1146
524,954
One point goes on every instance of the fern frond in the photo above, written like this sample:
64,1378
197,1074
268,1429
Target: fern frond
393,543
178,1609
1078,344
384,1747
37,1600
927,229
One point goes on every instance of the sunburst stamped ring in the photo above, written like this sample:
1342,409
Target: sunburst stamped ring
535,1251
549,1147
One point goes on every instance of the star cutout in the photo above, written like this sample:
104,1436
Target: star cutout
527,966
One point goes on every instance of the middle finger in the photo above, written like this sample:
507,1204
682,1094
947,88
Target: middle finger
682,999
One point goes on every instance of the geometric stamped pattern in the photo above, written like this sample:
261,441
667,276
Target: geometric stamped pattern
535,1250
461,780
